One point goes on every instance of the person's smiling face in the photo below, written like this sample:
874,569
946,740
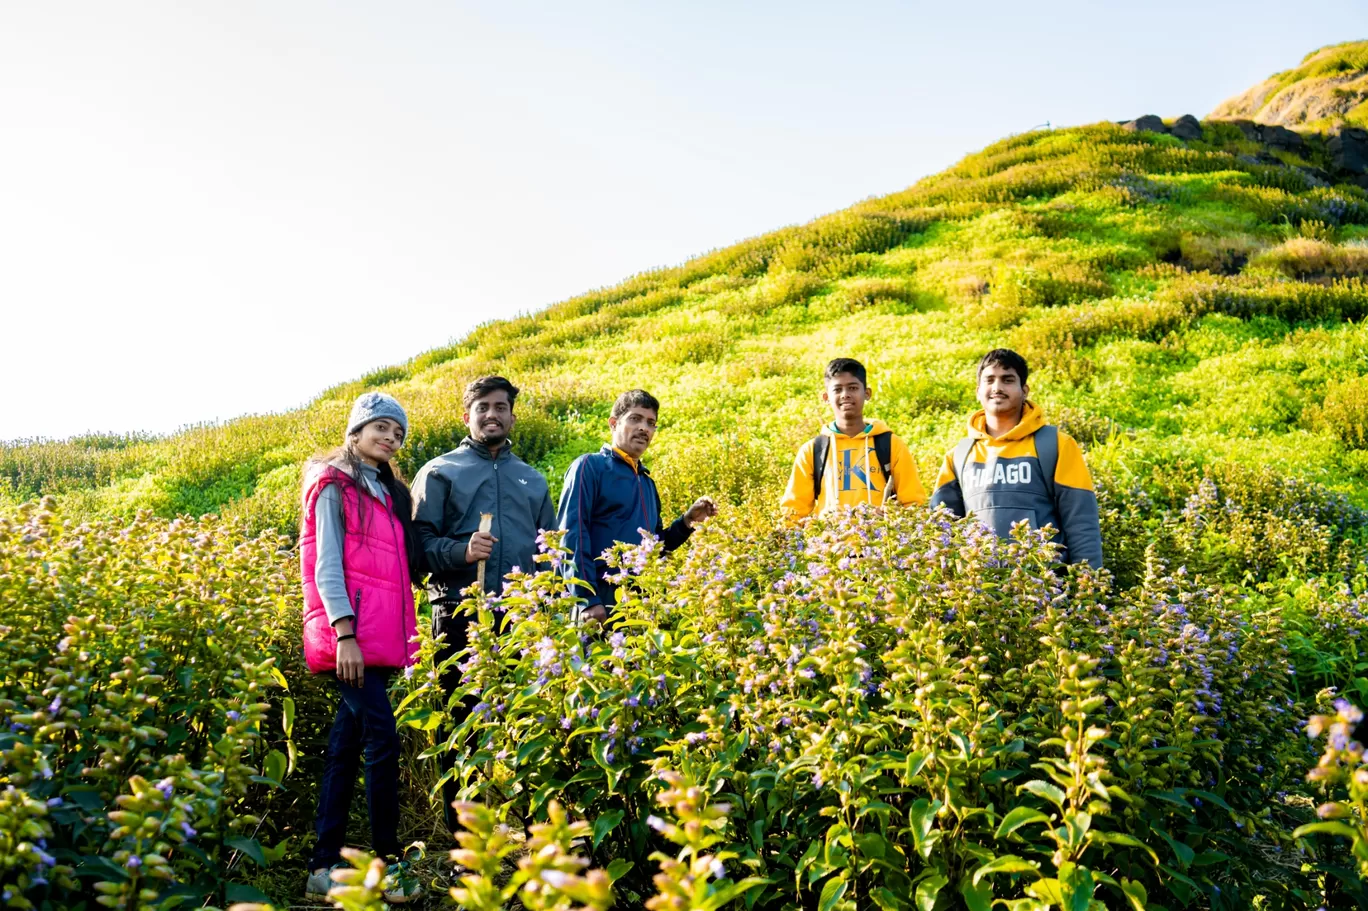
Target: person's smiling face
1001,392
847,397
491,419
378,441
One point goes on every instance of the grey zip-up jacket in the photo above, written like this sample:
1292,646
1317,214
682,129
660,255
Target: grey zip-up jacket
449,495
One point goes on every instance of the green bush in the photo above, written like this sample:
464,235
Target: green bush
895,706
1344,412
1053,285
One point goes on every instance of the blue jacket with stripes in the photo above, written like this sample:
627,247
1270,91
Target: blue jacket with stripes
607,500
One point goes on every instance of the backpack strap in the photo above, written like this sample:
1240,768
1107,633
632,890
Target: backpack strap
960,461
1047,451
883,451
821,445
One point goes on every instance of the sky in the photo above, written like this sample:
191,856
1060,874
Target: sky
217,209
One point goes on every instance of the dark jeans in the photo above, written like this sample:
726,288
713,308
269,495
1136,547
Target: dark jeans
365,721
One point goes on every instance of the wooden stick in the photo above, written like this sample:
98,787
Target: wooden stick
486,523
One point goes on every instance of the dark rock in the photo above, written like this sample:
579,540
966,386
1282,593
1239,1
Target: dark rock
1149,123
1282,138
1186,127
1249,128
1349,150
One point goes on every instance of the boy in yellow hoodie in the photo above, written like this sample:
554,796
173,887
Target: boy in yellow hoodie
1012,466
851,460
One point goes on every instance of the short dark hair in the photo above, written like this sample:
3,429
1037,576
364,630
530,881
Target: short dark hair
635,398
846,365
1005,358
487,384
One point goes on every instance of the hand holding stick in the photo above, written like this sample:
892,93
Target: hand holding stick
486,523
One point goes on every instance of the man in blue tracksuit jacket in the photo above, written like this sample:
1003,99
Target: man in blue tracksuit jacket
609,497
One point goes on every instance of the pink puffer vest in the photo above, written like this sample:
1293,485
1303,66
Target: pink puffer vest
375,564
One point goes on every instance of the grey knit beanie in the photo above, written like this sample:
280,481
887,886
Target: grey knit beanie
372,406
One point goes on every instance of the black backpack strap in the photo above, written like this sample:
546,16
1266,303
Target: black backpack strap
1047,451
883,452
821,445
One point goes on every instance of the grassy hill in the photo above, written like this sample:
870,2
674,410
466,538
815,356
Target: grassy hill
1328,88
1190,308
1193,312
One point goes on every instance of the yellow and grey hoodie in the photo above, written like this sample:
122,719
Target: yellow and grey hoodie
852,474
1004,484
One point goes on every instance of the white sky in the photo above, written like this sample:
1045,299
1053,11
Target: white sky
211,209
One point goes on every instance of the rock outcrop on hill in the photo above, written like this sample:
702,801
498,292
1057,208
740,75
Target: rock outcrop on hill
1329,87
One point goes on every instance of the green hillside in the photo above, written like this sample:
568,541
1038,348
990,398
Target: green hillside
1329,87
1189,307
886,710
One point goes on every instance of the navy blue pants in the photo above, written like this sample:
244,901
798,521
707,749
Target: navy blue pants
364,724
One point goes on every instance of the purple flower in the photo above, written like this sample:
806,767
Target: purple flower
187,830
233,715
655,822
54,802
166,786
134,862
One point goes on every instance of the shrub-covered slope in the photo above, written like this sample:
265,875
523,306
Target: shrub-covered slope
1329,86
1190,308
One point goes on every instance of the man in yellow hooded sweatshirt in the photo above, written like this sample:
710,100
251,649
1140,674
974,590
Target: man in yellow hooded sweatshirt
850,461
1014,466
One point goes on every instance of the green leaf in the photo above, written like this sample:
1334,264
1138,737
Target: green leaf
927,890
916,762
832,892
1325,828
921,817
887,899
1046,790
85,797
1211,798
421,719
248,846
618,868
1018,817
1008,863
606,822
277,854
1207,858
276,765
279,677
1135,893
1121,838
1077,887
978,896
1180,850
730,892
526,751
287,716
237,892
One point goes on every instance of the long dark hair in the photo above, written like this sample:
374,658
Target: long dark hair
345,460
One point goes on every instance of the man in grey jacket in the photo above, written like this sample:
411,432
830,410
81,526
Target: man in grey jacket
482,475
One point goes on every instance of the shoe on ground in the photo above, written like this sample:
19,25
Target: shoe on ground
319,882
401,885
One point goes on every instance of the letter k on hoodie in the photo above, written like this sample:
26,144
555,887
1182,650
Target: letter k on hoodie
852,474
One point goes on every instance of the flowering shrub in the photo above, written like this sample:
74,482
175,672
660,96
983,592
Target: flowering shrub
144,726
900,709
1342,777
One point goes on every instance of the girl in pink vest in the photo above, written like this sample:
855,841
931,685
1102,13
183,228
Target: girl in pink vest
358,560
